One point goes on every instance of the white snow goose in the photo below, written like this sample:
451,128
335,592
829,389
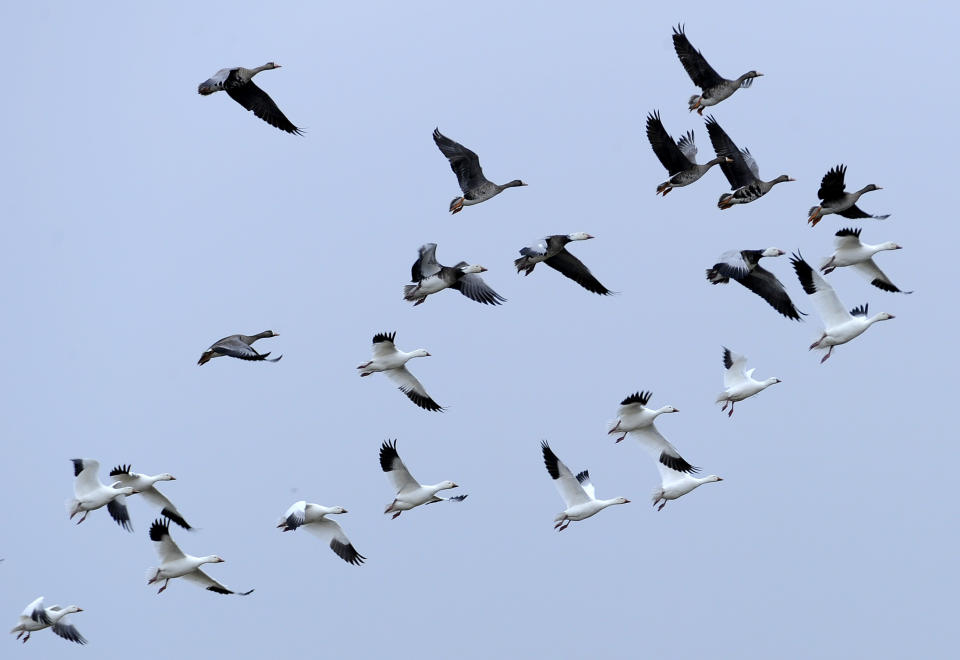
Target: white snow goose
238,83
430,277
715,87
313,517
675,484
146,486
175,563
835,199
840,326
410,492
633,414
678,157
37,617
743,266
741,171
577,492
239,346
553,252
851,252
392,362
466,165
737,383
90,494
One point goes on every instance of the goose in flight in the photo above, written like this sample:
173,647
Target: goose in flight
714,87
239,346
840,326
737,383
37,617
410,492
430,277
553,252
313,518
90,494
634,416
743,266
851,252
146,486
834,198
392,362
675,484
577,492
175,563
741,169
238,83
466,165
678,157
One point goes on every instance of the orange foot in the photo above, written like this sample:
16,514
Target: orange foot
456,205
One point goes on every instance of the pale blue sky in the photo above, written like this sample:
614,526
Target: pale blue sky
144,222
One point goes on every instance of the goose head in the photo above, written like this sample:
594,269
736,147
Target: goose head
883,316
444,485
620,500
667,409
772,252
420,352
711,478
466,270
578,236
889,245
166,476
514,184
870,188
782,178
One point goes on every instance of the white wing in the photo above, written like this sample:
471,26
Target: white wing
167,549
670,476
539,247
687,146
410,386
207,582
391,463
87,481
827,303
870,269
382,346
158,499
570,489
583,478
36,612
734,374
847,242
294,516
332,533
661,449
426,263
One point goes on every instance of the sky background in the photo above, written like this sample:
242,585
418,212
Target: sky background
143,222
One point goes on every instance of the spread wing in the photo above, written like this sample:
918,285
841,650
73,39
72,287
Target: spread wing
832,185
199,577
426,264
412,387
739,172
167,550
66,630
821,293
473,287
86,481
669,153
766,285
259,103
464,163
696,66
390,463
571,267
570,489
330,531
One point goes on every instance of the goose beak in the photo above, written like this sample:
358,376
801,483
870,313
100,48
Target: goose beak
626,501
482,269
790,178
428,355
879,188
719,478
79,609
891,316
456,486
345,511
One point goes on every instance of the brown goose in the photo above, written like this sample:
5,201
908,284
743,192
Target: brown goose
238,346
466,165
238,83
677,157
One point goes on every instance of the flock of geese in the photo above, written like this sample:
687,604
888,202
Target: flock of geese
429,277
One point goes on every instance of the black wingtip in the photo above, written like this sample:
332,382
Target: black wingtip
727,360
550,460
637,397
77,466
121,469
159,529
175,517
384,336
388,452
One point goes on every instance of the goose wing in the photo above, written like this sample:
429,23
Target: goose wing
199,577
661,449
259,103
877,277
65,629
821,293
670,154
766,285
571,267
464,163
294,516
832,186
35,611
390,463
166,548
412,387
473,287
570,489
383,344
847,239
426,264
734,365
696,66
330,531
739,172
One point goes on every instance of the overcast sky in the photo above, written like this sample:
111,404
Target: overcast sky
143,222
